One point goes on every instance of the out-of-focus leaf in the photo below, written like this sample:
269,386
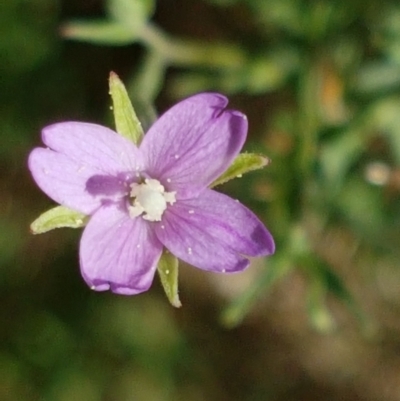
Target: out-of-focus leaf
58,217
168,271
188,83
269,72
377,77
322,282
385,117
278,15
390,31
145,86
390,22
243,163
276,268
345,53
339,154
126,121
232,71
361,205
392,51
131,13
101,32
318,312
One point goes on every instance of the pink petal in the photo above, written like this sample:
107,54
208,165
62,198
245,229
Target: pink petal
212,233
66,181
226,222
93,145
193,143
118,253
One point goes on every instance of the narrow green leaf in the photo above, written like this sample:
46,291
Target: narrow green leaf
126,121
100,32
58,217
168,272
243,163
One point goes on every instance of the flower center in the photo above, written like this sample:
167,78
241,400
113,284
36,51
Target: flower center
149,199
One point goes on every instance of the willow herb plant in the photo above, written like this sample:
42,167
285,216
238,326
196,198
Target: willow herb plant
140,196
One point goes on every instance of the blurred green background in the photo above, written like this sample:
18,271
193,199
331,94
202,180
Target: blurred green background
319,320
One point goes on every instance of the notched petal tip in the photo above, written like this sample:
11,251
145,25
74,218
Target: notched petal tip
238,113
213,99
264,240
38,165
53,129
124,290
200,103
32,159
241,265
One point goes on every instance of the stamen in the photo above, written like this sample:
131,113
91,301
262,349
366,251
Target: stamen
149,200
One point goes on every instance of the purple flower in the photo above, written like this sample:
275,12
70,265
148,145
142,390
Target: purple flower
144,199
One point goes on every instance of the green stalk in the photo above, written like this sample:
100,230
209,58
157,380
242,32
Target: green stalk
189,52
309,120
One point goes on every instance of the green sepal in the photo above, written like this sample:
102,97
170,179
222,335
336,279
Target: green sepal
168,272
243,163
100,32
58,217
126,122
